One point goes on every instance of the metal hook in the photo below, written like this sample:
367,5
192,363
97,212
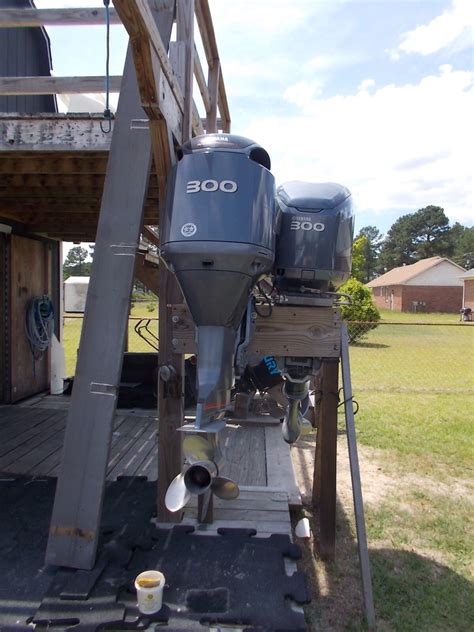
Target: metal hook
108,116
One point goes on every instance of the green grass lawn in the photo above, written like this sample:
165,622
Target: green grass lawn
140,310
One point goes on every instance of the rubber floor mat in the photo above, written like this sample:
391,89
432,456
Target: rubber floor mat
229,579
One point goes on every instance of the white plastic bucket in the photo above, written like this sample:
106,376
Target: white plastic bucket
149,586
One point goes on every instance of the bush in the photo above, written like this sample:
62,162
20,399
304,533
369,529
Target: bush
362,315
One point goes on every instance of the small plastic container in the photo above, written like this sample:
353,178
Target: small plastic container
149,586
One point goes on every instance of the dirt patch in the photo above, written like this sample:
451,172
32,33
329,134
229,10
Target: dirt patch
337,603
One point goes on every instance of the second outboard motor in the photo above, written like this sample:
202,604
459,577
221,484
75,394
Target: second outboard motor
218,237
314,257
315,241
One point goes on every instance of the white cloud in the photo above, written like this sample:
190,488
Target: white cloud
454,27
398,146
365,85
303,92
262,18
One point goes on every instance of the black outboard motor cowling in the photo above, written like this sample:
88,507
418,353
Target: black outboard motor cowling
218,237
315,239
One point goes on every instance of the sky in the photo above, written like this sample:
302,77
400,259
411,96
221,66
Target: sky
376,94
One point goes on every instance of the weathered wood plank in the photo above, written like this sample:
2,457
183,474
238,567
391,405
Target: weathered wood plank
324,484
289,331
13,18
244,455
27,134
11,86
185,34
213,85
54,162
160,94
280,471
20,432
201,80
16,457
206,28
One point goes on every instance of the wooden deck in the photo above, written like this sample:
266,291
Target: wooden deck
256,457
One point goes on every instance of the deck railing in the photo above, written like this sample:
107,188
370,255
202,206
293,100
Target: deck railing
169,100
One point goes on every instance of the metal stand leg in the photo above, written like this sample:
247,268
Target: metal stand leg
356,484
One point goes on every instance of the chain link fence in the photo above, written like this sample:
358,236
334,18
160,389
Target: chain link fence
404,357
392,357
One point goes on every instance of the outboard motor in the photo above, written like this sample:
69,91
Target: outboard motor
315,239
218,237
314,257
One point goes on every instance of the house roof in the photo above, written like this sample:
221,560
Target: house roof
468,274
401,275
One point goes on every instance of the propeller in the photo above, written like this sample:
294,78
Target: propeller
291,428
225,488
198,448
200,475
177,494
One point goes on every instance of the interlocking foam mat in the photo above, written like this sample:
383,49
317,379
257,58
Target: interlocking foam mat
231,579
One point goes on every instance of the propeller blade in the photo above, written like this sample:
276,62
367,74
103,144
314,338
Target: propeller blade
225,488
198,448
177,494
291,428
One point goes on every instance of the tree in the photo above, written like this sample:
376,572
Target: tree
370,252
362,314
75,263
416,236
359,253
463,240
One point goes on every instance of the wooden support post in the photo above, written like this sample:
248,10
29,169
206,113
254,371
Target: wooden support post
213,88
324,482
206,508
185,33
170,397
75,524
170,393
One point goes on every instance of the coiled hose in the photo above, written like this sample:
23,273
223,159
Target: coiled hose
39,325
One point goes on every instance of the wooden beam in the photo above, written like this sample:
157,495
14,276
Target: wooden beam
75,522
54,162
289,331
201,80
324,481
206,28
213,81
146,273
159,92
12,86
64,134
185,34
150,234
139,22
19,18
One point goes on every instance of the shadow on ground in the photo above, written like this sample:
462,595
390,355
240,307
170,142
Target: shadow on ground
412,593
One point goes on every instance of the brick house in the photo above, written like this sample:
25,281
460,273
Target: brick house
468,290
430,285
